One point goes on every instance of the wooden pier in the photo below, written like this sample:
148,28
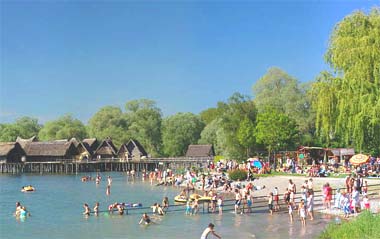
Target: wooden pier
117,165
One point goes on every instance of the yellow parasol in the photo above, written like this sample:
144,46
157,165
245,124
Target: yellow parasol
358,159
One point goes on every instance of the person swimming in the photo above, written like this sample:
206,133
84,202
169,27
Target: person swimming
145,219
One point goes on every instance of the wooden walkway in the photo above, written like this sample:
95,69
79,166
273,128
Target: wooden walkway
260,204
117,165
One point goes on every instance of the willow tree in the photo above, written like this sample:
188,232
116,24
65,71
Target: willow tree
354,55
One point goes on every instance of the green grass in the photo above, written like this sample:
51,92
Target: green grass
365,226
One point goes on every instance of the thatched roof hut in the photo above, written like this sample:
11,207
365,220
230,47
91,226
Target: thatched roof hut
132,150
50,151
106,150
91,145
24,142
11,152
84,152
201,150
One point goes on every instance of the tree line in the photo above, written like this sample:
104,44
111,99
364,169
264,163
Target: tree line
340,108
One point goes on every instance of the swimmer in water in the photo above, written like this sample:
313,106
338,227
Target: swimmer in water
145,219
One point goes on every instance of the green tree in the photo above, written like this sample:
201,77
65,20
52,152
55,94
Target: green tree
210,114
324,92
275,130
354,55
25,127
65,127
145,124
246,133
214,134
179,131
280,91
109,121
237,108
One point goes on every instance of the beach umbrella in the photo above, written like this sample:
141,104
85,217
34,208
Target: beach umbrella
358,159
257,163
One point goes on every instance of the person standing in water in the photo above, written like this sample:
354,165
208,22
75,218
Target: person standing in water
96,209
87,210
209,230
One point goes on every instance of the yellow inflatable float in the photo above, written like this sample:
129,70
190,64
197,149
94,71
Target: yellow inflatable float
29,188
200,198
180,198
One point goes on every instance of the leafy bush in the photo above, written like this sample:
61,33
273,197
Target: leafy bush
238,175
366,225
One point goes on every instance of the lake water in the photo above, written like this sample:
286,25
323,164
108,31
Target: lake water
56,208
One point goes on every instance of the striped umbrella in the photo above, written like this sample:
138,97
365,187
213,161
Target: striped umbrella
358,159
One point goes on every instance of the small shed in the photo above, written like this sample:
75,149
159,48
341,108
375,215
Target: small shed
132,150
200,150
342,154
106,150
11,152
50,151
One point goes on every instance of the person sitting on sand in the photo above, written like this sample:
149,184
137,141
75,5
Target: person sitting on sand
145,219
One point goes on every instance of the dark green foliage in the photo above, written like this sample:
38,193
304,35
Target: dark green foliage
237,174
179,131
25,127
65,127
365,226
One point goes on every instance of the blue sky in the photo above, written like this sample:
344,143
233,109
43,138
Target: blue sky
75,57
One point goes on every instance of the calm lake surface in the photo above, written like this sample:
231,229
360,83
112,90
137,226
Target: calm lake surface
56,208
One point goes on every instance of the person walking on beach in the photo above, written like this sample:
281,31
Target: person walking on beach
270,203
209,230
237,200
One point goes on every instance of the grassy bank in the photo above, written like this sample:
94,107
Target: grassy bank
365,226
